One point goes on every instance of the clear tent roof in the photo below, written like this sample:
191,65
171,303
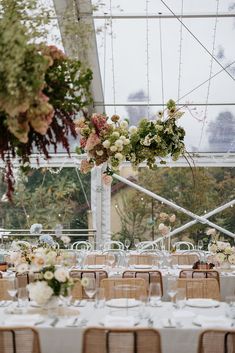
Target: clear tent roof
146,58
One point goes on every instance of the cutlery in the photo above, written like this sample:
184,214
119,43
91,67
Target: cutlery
39,322
54,322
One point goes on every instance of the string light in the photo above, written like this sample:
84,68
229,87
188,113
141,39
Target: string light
112,55
210,75
147,55
180,49
161,59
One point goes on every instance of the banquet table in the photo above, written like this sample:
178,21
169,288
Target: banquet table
183,337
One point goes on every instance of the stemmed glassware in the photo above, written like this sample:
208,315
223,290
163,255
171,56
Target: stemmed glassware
155,294
12,287
110,258
90,288
200,244
127,243
171,287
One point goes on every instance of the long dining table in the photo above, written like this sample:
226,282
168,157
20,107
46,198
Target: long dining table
65,333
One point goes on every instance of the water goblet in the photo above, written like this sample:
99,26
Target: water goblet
12,287
200,244
155,294
127,243
171,288
180,298
90,288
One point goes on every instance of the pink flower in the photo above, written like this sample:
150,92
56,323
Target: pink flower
99,121
107,179
92,141
86,166
83,142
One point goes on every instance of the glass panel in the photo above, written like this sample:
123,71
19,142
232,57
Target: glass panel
199,191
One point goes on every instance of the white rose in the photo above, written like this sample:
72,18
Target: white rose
48,275
65,239
40,292
106,144
223,245
126,142
161,226
124,124
61,274
211,231
228,250
220,257
231,259
122,137
118,156
172,218
120,148
115,134
22,268
213,248
118,143
113,148
132,129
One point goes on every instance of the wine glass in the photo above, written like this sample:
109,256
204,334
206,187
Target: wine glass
155,294
136,242
110,258
171,287
12,287
200,244
127,243
90,288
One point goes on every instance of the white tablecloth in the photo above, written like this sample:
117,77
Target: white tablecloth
62,339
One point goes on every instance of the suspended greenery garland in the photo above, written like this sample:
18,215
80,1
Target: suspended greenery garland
41,89
114,141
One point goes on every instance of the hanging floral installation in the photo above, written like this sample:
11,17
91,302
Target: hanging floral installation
41,89
113,141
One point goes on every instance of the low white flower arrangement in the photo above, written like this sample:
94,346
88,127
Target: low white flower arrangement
223,251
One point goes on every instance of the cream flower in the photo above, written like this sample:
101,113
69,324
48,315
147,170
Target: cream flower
61,274
132,129
106,144
126,142
115,134
65,239
211,231
113,148
48,275
100,153
22,268
118,143
228,250
40,292
122,137
231,259
220,257
118,156
172,218
213,248
124,124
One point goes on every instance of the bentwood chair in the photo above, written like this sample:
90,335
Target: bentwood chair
184,259
19,340
200,274
112,340
124,287
96,274
150,276
217,341
4,290
200,287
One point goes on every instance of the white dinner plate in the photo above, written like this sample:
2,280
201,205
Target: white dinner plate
142,267
202,303
123,303
212,321
95,267
119,321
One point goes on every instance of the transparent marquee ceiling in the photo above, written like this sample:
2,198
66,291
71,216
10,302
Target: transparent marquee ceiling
146,58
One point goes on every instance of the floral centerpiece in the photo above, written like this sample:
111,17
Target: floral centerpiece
51,280
41,89
113,141
223,251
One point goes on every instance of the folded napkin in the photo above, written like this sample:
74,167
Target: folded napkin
212,321
22,320
119,321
